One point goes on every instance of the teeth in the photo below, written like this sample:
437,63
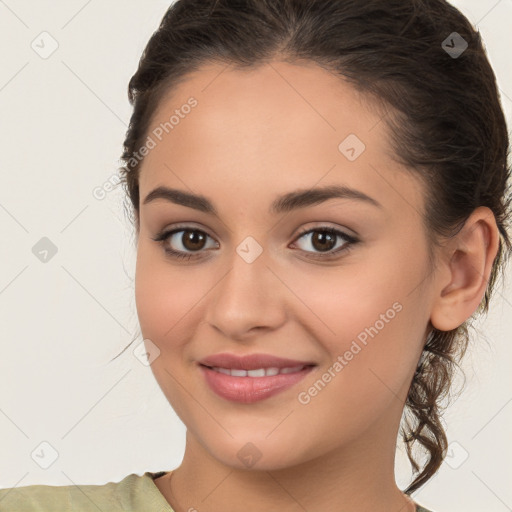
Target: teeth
256,373
291,370
260,372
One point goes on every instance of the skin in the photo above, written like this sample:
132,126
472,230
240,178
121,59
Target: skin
254,135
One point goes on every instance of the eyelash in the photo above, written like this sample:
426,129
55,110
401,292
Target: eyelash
164,235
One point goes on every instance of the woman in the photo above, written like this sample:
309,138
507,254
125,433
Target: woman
319,196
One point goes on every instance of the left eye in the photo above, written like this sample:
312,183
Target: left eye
323,239
193,240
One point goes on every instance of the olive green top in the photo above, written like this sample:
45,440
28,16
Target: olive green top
132,494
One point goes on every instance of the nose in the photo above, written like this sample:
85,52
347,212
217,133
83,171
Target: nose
248,299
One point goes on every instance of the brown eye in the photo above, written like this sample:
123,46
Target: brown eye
183,242
193,240
188,242
326,240
323,240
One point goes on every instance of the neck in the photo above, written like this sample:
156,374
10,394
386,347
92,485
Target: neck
355,479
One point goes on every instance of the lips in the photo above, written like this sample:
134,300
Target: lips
252,378
247,390
252,362
260,372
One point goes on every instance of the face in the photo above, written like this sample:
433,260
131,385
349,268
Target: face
263,279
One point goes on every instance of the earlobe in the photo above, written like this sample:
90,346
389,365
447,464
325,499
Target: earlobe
461,287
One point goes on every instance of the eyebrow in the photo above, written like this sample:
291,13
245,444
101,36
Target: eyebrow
283,204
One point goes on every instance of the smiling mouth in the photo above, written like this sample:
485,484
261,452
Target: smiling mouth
259,372
249,386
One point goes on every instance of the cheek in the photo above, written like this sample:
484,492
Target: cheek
163,295
164,300
365,313
376,281
342,301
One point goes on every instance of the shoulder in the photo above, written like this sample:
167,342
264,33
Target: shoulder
126,495
34,498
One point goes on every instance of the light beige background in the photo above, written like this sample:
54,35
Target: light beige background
63,120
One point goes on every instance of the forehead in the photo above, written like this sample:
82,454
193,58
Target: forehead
268,129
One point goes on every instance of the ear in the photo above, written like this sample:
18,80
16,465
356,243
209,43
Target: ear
466,263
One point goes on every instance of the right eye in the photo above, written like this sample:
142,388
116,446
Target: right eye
190,239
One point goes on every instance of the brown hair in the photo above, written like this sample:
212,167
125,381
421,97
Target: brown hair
445,121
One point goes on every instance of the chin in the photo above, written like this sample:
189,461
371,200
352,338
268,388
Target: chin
258,454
